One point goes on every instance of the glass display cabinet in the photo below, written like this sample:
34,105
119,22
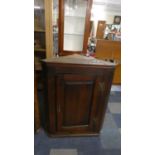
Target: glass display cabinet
61,27
39,32
74,26
39,26
55,19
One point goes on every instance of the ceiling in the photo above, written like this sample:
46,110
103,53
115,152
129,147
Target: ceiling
110,5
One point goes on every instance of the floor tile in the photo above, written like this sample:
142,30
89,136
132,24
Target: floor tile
80,153
86,143
117,119
115,97
94,152
119,130
112,152
63,152
107,110
38,137
42,149
101,152
116,88
108,123
114,107
108,143
111,139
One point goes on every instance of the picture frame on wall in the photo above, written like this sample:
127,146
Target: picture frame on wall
117,20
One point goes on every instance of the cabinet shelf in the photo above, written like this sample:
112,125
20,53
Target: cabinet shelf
39,50
39,30
74,34
69,16
39,8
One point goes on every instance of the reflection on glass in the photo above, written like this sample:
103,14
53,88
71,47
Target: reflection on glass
113,32
39,25
74,24
39,33
55,26
39,20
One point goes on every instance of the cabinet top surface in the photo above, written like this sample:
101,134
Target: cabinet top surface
78,59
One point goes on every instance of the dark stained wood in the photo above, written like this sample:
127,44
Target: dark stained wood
60,135
87,26
74,106
61,27
76,97
36,107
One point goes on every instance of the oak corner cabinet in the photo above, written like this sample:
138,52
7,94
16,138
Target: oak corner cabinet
76,94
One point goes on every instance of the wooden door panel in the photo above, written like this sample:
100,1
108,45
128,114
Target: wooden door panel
77,103
100,29
74,101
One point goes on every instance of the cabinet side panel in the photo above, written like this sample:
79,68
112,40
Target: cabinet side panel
104,86
50,102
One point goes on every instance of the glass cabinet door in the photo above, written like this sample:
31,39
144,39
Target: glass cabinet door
39,33
39,26
55,23
74,24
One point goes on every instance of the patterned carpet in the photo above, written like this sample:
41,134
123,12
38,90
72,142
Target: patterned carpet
107,143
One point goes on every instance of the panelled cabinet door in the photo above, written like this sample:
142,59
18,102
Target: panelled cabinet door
76,103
